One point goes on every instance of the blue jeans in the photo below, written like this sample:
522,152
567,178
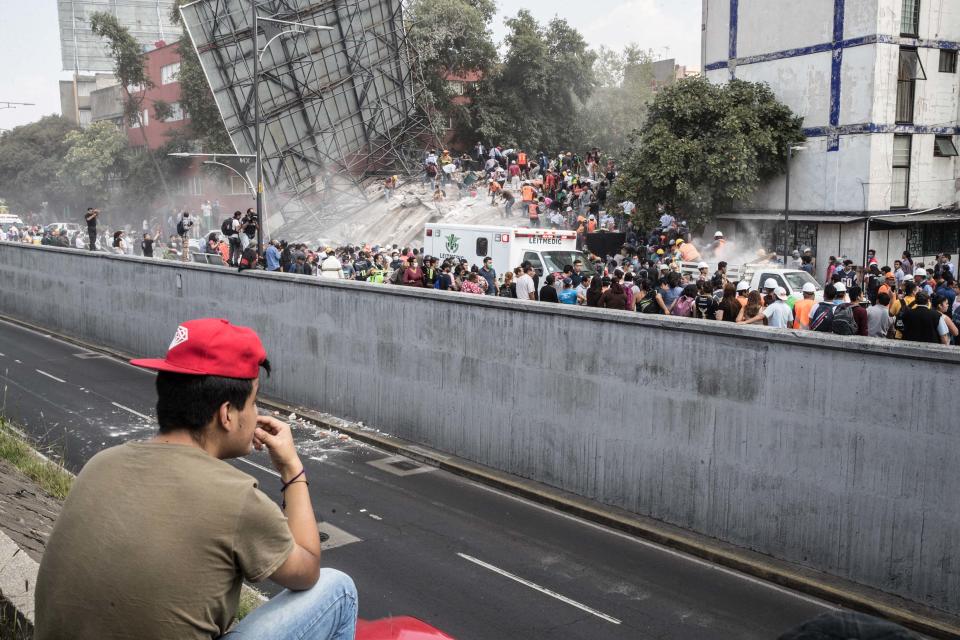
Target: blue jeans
328,611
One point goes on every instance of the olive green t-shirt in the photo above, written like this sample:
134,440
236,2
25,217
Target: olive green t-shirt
154,541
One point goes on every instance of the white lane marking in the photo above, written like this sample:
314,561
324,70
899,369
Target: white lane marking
374,516
3,355
544,590
659,547
129,410
51,376
258,466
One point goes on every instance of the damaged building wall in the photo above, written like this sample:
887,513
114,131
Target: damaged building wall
782,443
836,63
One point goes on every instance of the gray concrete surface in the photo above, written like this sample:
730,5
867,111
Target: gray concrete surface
836,453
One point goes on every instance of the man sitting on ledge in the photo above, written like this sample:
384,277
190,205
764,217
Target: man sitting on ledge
156,537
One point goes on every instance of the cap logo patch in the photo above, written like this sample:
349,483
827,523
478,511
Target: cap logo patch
180,337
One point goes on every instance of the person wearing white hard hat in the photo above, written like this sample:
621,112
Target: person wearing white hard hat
841,292
743,289
778,313
704,270
769,286
920,277
802,308
718,246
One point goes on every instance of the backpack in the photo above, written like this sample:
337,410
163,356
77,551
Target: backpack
683,307
180,229
248,259
226,228
844,324
822,318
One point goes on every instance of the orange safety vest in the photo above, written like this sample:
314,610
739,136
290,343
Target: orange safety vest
528,192
495,186
801,313
522,159
533,211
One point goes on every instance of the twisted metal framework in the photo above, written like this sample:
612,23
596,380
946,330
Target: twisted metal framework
338,107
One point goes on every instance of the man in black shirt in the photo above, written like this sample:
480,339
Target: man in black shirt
91,218
146,246
922,324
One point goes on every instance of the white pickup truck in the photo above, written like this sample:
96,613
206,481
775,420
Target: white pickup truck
792,280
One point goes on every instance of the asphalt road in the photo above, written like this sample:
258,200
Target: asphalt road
474,562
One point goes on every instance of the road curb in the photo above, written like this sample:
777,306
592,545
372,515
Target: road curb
930,622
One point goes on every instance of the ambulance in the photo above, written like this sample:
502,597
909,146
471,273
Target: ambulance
548,250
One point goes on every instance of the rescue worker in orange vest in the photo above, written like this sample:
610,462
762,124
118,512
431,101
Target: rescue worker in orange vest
719,246
688,252
522,161
528,193
802,308
534,212
494,188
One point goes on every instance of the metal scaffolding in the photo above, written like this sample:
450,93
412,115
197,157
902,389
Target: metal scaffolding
338,107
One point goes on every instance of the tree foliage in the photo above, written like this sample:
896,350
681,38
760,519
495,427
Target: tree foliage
30,158
129,65
196,98
93,161
531,98
619,103
451,37
705,146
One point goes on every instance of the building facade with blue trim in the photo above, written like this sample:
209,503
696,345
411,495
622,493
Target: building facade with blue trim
877,85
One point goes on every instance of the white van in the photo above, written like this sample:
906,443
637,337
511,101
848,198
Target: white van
548,250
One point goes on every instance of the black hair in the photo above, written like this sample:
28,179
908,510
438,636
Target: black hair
921,298
854,292
191,402
883,298
829,292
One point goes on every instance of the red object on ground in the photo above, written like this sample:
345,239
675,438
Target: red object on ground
401,628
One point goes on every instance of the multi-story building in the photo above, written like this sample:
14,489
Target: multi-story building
667,72
75,96
877,86
191,183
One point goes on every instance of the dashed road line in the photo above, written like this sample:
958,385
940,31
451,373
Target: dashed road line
129,410
543,590
50,375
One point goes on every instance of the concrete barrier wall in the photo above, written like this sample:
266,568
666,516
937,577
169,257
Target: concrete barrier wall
837,453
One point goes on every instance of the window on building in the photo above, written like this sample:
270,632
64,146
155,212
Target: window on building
169,73
943,147
910,69
176,112
457,87
134,88
948,61
910,18
196,185
238,186
902,148
483,246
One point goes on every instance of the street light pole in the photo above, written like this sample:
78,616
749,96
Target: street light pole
256,121
786,205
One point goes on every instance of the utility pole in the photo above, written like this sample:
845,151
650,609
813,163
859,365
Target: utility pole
786,205
255,20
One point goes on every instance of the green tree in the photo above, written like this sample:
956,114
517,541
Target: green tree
130,68
30,157
451,37
531,99
92,164
705,146
619,103
196,98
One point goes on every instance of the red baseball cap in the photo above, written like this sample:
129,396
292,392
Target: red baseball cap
211,347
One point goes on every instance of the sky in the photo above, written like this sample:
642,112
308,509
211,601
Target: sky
30,41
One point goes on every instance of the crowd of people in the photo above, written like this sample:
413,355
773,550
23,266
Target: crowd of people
645,274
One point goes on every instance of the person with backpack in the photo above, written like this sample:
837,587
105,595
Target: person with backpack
230,228
859,312
683,305
821,315
705,305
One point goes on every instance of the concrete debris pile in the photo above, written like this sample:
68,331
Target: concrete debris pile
396,220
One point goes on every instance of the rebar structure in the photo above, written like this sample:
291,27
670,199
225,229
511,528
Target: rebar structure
338,107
